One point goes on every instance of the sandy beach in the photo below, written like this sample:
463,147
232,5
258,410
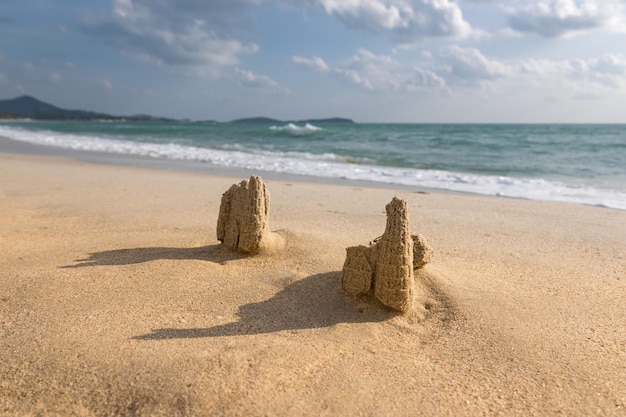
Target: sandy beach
117,299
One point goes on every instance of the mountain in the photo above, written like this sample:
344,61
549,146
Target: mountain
256,120
30,107
329,120
27,106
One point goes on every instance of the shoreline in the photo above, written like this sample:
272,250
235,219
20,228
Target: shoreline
13,146
118,299
8,145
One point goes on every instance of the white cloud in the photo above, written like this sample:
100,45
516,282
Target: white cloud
364,58
372,71
405,20
376,72
316,63
424,78
556,18
469,65
355,77
370,14
611,65
251,80
456,69
607,71
191,33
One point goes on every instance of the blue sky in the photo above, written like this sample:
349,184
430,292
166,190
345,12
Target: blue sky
370,60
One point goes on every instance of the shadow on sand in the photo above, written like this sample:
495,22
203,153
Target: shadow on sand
212,253
313,302
309,303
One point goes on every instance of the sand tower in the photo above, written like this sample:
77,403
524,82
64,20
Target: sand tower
243,219
386,266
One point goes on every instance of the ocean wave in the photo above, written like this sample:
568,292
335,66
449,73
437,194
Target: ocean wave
295,130
232,155
332,166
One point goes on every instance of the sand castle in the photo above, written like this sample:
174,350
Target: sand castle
243,219
385,267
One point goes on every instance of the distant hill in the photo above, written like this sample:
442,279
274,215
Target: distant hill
27,106
276,121
30,107
256,120
329,120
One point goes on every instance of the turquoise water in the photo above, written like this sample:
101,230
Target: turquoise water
576,163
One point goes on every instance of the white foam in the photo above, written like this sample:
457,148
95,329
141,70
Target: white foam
333,166
293,129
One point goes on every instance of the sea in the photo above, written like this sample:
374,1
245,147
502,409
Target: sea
575,163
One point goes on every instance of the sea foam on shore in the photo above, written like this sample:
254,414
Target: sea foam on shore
312,159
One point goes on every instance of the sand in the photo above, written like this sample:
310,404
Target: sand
117,299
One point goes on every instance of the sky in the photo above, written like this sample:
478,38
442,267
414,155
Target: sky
405,61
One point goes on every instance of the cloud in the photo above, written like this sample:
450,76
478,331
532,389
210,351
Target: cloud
200,36
608,70
249,79
469,65
556,18
179,33
375,72
405,20
365,69
610,64
424,78
456,69
252,80
316,63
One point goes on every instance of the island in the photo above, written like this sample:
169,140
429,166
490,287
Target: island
31,108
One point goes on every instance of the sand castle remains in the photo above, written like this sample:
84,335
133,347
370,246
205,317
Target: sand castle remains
385,267
243,219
